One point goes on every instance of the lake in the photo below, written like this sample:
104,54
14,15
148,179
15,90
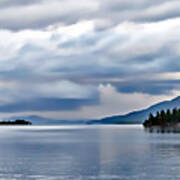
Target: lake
124,152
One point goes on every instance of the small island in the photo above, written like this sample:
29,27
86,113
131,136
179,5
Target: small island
164,121
16,122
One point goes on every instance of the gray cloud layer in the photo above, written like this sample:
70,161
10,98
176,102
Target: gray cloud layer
72,48
17,15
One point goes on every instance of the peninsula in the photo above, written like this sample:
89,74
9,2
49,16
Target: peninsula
163,121
16,122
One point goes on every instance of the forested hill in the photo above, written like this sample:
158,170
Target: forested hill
138,117
163,118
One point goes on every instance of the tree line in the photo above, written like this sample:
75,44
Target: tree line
163,118
16,122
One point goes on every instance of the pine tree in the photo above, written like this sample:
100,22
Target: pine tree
163,118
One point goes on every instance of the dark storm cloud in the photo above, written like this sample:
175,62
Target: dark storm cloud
47,104
155,87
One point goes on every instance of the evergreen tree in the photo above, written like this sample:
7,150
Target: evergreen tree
163,118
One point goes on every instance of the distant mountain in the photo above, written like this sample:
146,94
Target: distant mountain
137,117
38,120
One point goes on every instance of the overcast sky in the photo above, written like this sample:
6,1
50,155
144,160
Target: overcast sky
70,59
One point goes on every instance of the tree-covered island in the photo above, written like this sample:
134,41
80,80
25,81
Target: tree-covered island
16,122
164,121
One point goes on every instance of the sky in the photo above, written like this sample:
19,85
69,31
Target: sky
88,59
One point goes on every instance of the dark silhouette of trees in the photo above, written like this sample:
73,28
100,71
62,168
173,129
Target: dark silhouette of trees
16,122
162,118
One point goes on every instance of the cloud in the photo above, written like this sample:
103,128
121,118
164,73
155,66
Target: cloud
65,63
155,87
88,57
9,3
112,103
47,104
40,14
18,15
18,96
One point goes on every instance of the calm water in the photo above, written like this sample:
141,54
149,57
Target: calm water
88,152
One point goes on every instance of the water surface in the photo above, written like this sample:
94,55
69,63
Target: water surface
88,152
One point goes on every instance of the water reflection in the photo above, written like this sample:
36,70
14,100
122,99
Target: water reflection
88,152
